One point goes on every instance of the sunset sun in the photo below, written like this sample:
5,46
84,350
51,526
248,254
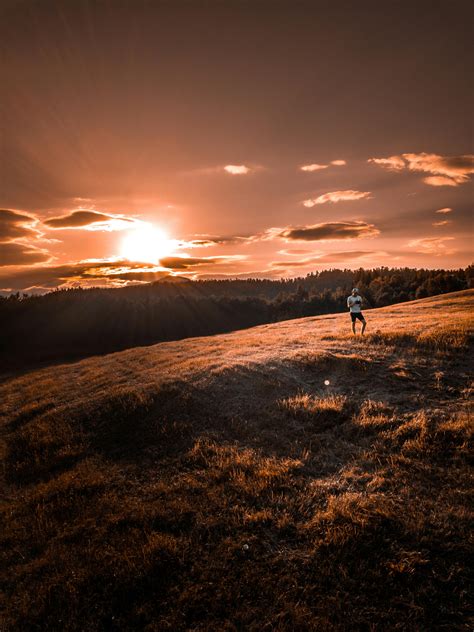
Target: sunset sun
147,243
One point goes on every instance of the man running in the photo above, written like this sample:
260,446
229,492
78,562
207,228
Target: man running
354,303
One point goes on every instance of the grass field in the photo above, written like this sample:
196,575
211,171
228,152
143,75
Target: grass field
285,477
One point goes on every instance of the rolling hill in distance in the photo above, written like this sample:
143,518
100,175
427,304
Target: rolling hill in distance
289,476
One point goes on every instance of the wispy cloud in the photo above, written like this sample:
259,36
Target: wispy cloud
327,231
441,181
435,246
331,257
392,163
294,251
444,210
237,170
318,167
443,222
183,262
338,196
86,219
444,170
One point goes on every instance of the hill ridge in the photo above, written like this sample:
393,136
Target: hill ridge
290,476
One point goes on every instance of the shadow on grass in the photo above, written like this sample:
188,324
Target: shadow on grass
241,405
257,500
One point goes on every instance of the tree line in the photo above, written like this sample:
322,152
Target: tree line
66,324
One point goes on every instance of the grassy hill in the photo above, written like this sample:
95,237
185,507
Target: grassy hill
285,477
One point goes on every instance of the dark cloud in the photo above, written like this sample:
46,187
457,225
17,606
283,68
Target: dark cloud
15,225
203,241
17,254
77,219
100,272
182,263
327,231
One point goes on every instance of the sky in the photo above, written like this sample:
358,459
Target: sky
232,139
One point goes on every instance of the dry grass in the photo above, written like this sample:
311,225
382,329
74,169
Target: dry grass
220,485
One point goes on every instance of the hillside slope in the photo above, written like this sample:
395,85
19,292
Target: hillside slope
285,477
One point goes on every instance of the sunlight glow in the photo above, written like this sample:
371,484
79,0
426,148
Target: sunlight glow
147,243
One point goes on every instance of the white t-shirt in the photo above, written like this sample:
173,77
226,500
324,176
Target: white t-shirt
354,303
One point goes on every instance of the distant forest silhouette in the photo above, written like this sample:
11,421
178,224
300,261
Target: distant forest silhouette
73,323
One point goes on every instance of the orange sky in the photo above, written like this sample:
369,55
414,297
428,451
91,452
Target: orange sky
232,139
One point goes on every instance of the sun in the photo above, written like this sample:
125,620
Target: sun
147,243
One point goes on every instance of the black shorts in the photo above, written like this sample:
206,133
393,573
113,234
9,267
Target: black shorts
357,315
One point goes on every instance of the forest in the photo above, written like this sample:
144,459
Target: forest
67,324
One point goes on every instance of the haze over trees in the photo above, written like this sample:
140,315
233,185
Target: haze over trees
72,323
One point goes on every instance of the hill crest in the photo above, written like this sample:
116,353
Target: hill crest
246,479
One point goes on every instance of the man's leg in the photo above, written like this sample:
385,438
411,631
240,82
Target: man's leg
364,325
353,325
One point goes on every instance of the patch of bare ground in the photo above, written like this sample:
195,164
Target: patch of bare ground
287,477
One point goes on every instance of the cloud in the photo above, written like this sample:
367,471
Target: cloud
432,246
445,210
16,229
317,167
292,264
455,167
331,257
104,272
440,181
443,170
237,170
313,167
443,222
338,196
77,219
16,225
253,274
349,255
392,163
329,231
294,251
182,263
124,271
90,220
14,253
204,241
